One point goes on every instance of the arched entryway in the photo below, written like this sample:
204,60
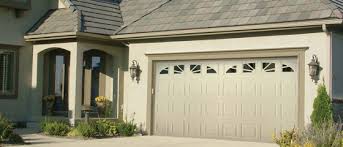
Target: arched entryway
56,77
97,80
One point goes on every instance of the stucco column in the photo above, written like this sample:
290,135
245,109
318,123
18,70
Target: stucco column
75,84
37,83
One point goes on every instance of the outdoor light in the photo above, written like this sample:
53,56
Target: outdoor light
314,68
135,71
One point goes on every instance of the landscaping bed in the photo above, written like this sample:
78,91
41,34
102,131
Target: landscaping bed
323,131
100,128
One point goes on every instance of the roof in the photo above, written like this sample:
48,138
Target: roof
95,16
110,17
133,10
56,21
193,14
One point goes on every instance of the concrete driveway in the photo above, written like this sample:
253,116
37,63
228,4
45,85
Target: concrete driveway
37,140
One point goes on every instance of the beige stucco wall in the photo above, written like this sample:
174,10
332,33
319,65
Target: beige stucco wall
136,95
12,30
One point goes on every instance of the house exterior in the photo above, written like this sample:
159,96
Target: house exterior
229,69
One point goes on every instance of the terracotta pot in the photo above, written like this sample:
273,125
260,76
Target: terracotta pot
101,108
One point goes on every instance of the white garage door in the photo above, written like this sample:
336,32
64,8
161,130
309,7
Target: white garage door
243,99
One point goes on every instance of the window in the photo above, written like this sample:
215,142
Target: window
178,69
249,67
7,72
232,69
164,71
196,69
286,68
210,70
268,67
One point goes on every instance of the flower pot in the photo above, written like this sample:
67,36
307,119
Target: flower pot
101,108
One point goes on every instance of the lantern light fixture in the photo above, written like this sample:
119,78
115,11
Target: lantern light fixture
314,68
135,71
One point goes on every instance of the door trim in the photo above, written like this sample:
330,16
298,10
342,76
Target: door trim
299,53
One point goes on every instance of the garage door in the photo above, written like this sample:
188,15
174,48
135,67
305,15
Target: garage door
243,99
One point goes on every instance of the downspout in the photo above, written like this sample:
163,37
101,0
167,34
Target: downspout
331,76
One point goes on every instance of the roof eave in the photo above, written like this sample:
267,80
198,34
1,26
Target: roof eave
228,30
64,35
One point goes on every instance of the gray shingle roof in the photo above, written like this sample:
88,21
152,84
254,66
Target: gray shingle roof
110,17
190,14
56,21
95,16
135,9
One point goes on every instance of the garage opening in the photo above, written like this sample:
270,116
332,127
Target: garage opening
242,99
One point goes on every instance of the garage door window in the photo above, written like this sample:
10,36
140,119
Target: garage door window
249,67
232,69
164,71
210,70
268,67
196,69
178,69
286,68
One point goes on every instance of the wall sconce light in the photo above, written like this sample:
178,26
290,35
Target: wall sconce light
314,68
135,71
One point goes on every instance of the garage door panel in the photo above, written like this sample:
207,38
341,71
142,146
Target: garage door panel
250,111
289,88
268,129
250,131
211,128
289,112
269,89
194,128
195,88
249,87
230,110
271,111
212,87
243,99
163,88
178,87
230,130
231,88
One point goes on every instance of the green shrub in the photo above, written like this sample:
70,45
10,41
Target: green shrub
86,129
329,135
55,128
6,132
15,139
127,128
287,138
105,128
322,108
6,128
74,133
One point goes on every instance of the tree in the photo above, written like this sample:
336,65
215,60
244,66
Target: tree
322,108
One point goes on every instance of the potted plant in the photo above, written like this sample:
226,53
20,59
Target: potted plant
101,103
49,101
